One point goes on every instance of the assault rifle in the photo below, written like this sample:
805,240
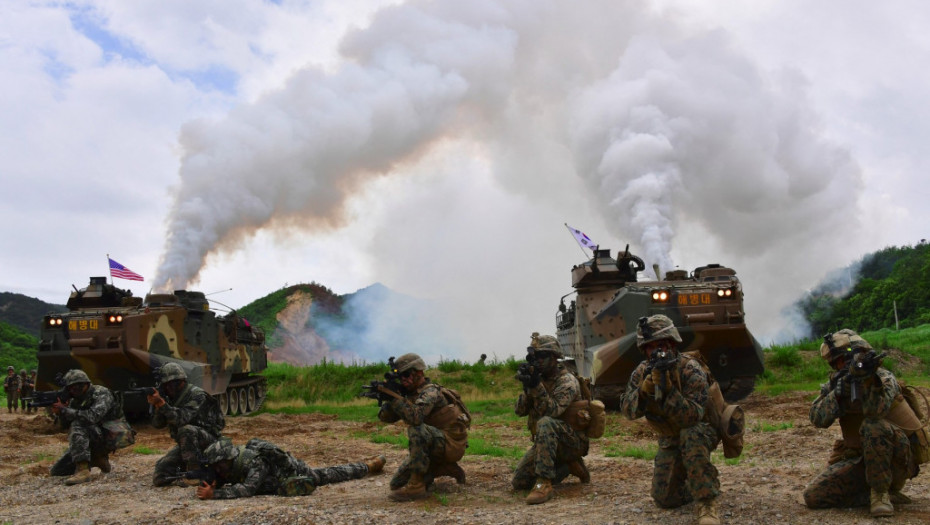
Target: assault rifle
385,390
147,390
663,361
48,398
528,373
863,366
204,474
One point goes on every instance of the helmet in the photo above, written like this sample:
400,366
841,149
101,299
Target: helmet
844,342
22,372
655,328
33,371
10,368
172,372
220,450
73,377
546,343
408,362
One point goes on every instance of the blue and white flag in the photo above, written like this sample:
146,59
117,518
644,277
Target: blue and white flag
583,240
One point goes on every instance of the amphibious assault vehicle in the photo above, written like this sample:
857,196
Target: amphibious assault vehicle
120,341
598,328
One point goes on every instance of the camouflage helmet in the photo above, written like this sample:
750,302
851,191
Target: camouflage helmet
172,372
10,368
22,372
220,450
844,342
408,362
32,372
546,343
75,376
655,328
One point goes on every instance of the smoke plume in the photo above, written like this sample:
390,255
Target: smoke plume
675,138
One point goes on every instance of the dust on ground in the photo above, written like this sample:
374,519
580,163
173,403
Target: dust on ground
783,452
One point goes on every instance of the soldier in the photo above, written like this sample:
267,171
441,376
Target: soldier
192,416
437,430
872,462
671,391
98,427
27,387
558,448
12,387
32,381
260,467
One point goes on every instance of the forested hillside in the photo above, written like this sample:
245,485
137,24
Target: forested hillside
895,279
17,348
25,312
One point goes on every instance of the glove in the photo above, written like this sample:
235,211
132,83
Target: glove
156,400
843,388
648,386
528,375
205,491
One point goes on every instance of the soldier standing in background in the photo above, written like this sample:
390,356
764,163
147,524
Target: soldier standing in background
872,462
548,391
437,429
12,387
671,391
98,427
28,385
260,467
193,418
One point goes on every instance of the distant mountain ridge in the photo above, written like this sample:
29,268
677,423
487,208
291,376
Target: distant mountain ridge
26,312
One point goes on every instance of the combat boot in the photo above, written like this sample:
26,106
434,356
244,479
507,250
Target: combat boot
375,464
541,493
881,506
81,474
579,470
101,461
414,489
452,470
707,512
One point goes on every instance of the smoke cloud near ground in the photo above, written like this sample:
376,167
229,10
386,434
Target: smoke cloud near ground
671,137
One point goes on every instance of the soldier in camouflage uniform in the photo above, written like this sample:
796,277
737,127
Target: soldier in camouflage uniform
437,430
872,462
98,427
12,387
260,467
28,387
548,391
192,416
671,391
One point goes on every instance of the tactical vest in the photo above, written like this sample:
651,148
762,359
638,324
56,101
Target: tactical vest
209,417
454,420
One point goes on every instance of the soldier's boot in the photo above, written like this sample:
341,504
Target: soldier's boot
81,474
453,470
899,498
579,470
707,512
101,461
541,493
881,506
375,464
414,489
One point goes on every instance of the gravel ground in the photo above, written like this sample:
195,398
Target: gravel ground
782,454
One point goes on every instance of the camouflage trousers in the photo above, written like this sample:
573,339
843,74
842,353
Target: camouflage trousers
427,446
683,470
85,442
192,440
307,479
556,444
23,402
12,401
884,464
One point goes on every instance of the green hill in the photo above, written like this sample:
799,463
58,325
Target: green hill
25,312
17,348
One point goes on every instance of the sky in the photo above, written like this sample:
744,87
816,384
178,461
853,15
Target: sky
439,147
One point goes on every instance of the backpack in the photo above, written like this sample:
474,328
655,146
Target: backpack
587,414
729,420
919,437
280,459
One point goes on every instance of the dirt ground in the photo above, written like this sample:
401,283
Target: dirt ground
783,453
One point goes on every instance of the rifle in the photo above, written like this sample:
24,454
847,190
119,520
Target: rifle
528,373
385,390
863,366
204,474
663,361
48,398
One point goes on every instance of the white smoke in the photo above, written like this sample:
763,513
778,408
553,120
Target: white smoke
669,130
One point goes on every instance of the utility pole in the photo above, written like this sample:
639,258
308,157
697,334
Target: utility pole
895,303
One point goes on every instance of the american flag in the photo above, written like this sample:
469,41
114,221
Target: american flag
118,271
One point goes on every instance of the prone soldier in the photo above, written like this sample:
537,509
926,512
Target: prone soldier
873,460
98,427
437,429
193,418
558,447
260,467
13,387
671,391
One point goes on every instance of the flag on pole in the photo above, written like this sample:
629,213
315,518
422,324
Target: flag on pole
118,271
583,240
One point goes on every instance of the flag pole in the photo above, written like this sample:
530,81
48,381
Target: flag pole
108,269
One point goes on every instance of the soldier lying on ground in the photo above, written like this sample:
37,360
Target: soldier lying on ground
97,428
192,416
558,448
260,467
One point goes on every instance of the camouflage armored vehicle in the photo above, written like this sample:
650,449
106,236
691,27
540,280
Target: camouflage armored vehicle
598,327
120,340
